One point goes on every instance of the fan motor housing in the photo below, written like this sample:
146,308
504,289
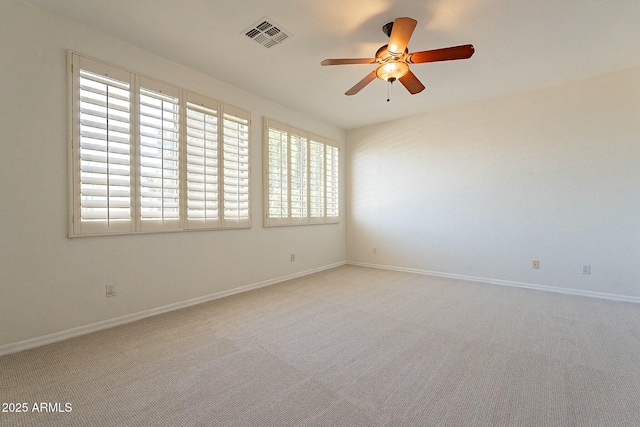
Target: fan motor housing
383,52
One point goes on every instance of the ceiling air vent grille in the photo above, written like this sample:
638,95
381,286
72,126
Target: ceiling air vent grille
267,33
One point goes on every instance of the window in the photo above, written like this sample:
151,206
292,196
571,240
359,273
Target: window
159,156
202,166
235,161
301,183
147,156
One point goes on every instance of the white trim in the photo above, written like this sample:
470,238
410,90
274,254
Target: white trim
110,323
567,291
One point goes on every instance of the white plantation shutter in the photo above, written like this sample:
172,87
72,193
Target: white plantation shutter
316,179
202,163
159,150
299,188
332,183
101,175
301,177
235,168
277,179
147,156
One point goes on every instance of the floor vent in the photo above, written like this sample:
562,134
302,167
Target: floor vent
267,33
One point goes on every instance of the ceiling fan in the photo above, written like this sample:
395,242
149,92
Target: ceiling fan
393,59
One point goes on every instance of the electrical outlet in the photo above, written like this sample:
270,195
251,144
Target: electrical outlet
293,257
586,269
536,264
375,251
111,290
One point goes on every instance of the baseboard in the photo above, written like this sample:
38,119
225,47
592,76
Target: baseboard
568,291
110,323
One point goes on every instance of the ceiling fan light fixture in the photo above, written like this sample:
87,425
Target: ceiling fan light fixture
392,70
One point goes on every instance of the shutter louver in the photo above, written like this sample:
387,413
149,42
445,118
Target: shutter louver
235,170
159,159
104,152
202,167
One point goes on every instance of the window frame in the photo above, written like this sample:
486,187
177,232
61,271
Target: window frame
77,227
288,134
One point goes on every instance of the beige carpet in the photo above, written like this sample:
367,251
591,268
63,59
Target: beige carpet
350,346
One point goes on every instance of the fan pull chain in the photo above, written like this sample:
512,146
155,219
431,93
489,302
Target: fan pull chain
390,88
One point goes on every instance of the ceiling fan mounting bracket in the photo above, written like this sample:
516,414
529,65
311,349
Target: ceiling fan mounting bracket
386,28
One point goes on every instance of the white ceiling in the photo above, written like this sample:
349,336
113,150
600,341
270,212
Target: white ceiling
520,45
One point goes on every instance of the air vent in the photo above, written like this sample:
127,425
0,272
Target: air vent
267,33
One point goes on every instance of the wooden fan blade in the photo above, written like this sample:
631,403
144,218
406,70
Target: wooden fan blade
445,54
400,35
362,83
347,61
411,82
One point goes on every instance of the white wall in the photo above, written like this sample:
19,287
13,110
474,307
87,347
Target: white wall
484,189
49,283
